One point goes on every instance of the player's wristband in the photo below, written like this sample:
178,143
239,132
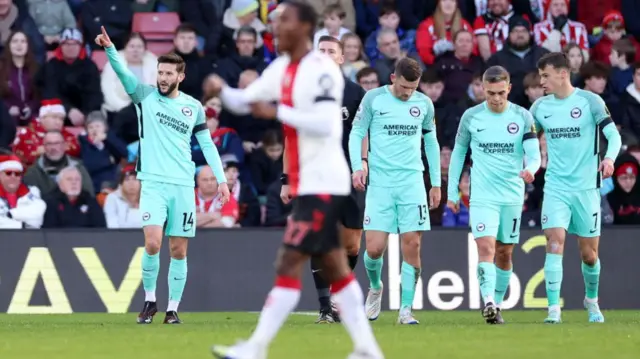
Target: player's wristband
284,179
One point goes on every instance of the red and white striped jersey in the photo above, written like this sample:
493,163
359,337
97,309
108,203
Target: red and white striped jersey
573,31
309,93
496,27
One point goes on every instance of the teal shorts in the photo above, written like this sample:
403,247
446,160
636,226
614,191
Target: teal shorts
578,212
171,205
398,209
499,221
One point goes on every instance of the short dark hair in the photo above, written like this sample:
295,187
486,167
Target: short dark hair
306,14
532,79
364,72
459,32
186,27
624,47
409,69
431,76
173,58
636,66
387,9
271,138
334,9
594,69
476,76
557,60
495,74
247,30
327,38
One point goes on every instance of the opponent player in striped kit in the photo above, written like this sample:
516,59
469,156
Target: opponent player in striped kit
308,87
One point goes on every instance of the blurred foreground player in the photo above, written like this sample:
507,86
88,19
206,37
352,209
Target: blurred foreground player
353,208
308,87
500,134
572,120
167,119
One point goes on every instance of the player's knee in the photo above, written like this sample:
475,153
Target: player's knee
589,255
178,248
504,254
375,247
555,240
411,245
486,248
152,245
289,263
352,246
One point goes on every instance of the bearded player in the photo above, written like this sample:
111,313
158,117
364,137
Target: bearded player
398,119
572,120
308,87
500,134
167,118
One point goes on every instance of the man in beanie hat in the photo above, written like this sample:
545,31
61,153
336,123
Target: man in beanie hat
20,206
558,31
28,144
519,57
72,77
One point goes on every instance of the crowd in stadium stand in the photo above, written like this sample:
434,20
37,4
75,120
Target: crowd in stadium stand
68,130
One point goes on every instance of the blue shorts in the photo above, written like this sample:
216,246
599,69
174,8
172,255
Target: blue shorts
499,221
171,205
398,209
578,212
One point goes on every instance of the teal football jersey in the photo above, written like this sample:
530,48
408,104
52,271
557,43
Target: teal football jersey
497,151
165,128
395,130
572,132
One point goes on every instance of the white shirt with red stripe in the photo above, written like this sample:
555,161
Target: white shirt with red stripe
495,27
309,93
573,31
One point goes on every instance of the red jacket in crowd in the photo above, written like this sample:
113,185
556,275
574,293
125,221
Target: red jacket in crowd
29,142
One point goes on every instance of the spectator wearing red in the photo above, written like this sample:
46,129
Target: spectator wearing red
122,207
457,67
20,206
244,194
613,30
435,34
69,206
210,212
589,12
557,32
624,200
29,143
72,77
18,69
492,28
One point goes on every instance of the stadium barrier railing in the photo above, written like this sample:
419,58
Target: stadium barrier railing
67,271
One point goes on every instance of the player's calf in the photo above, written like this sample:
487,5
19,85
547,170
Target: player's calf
591,274
486,272
504,269
553,272
351,240
376,244
150,269
410,273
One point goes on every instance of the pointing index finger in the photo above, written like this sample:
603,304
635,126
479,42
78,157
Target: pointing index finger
104,31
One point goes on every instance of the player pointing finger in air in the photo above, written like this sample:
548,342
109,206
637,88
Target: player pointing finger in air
167,118
501,136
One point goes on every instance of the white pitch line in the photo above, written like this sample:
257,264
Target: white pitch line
309,314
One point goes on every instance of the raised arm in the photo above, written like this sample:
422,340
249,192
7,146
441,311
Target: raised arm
209,149
134,89
431,145
264,88
458,155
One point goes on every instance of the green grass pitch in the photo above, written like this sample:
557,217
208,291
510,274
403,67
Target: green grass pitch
448,335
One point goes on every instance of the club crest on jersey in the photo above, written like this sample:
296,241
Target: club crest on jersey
576,112
187,111
414,111
480,227
345,113
513,128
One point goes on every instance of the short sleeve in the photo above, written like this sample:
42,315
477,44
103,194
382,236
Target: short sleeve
141,92
429,121
463,137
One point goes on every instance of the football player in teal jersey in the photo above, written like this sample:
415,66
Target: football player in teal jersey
502,138
572,120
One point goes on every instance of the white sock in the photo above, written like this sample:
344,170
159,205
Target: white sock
555,307
281,301
150,296
350,301
591,300
173,306
489,299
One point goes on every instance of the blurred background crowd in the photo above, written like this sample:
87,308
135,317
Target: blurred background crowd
69,132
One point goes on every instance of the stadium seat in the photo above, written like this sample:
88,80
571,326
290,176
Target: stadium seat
100,58
160,47
156,25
